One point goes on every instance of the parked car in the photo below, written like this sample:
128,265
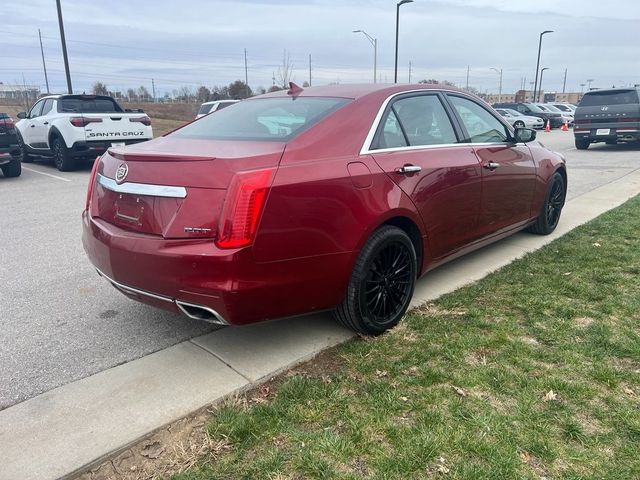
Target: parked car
209,107
9,149
566,116
229,221
518,120
565,107
531,109
609,116
70,128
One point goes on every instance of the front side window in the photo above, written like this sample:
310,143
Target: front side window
270,119
48,103
36,110
481,125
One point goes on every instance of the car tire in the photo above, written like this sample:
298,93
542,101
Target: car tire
61,158
24,155
385,271
13,168
518,124
582,144
552,208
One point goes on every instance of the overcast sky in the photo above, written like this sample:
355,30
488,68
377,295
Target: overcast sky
125,43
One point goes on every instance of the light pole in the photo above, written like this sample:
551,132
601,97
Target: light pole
64,48
374,42
535,84
589,80
401,2
540,88
499,88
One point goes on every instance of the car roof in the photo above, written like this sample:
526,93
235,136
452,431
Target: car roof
357,91
220,101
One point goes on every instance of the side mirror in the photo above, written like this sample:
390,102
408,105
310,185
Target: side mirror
22,115
524,135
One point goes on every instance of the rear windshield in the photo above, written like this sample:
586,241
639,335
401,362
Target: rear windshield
88,105
204,108
620,97
3,115
276,119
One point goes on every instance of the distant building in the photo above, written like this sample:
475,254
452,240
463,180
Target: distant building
568,97
525,96
503,98
18,91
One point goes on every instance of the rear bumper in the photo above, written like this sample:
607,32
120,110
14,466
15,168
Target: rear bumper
179,274
95,148
616,133
9,150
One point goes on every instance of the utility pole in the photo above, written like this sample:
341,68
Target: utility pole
564,83
409,71
309,69
64,48
589,80
468,68
246,75
44,65
153,89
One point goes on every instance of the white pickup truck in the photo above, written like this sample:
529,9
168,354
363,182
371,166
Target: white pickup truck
71,128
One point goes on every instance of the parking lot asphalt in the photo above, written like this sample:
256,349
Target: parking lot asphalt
60,322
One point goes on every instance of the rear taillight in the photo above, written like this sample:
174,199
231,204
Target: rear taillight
242,208
83,121
143,120
630,119
8,123
92,180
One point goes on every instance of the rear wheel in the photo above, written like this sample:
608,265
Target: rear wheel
63,161
381,284
12,169
552,208
519,124
582,144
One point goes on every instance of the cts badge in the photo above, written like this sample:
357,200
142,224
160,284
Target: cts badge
121,173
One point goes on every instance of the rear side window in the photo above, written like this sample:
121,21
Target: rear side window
88,105
275,119
48,103
621,97
204,109
222,105
481,125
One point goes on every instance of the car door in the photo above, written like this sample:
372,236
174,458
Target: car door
40,130
417,145
30,135
508,168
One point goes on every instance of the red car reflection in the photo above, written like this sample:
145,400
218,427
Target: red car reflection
326,198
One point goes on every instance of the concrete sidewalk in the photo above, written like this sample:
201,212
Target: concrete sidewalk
63,431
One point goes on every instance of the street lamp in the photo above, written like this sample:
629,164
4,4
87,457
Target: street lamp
401,2
540,87
500,88
535,84
374,42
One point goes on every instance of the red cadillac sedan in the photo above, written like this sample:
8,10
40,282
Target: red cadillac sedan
325,198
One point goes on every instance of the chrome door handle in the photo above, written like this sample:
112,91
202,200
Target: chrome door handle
408,169
491,165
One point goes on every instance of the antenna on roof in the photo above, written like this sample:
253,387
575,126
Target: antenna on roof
294,89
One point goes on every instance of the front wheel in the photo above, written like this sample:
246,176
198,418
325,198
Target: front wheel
552,208
63,161
381,284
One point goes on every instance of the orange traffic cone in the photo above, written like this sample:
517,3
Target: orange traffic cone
548,127
565,126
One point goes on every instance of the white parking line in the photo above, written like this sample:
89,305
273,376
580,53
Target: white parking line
47,174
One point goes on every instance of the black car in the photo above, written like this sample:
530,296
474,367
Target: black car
9,149
555,119
610,116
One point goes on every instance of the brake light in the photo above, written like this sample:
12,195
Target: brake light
143,120
242,208
8,122
92,179
83,121
630,119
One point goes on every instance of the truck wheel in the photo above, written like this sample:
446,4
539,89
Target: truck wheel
381,283
24,156
63,161
12,169
582,144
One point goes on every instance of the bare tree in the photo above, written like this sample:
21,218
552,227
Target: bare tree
100,88
285,71
132,95
143,93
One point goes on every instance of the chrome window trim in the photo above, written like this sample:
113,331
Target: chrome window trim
366,146
142,188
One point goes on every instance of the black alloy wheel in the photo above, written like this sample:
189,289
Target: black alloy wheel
554,201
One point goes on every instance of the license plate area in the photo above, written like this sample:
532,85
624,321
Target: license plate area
117,144
603,131
130,209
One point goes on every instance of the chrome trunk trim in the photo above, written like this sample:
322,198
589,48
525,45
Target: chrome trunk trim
141,188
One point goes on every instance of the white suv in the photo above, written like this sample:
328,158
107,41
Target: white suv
209,107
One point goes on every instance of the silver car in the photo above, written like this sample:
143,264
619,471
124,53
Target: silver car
518,120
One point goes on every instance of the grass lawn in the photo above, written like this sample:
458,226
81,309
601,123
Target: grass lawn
534,372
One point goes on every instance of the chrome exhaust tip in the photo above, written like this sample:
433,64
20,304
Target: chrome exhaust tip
199,312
